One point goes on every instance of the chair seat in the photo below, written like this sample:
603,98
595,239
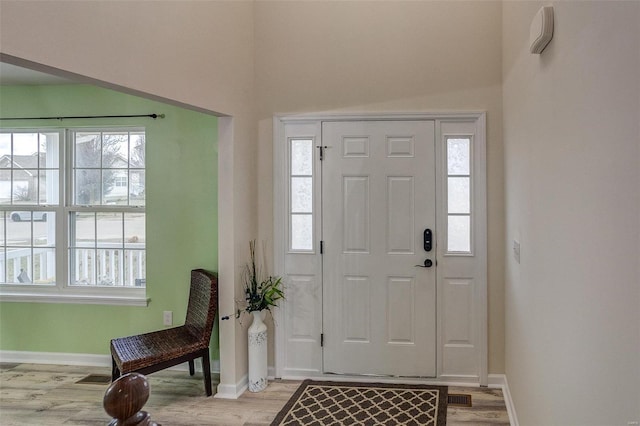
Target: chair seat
134,353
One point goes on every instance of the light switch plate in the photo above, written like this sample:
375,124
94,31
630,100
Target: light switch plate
516,250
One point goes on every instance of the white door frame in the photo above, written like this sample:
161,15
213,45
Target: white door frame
462,350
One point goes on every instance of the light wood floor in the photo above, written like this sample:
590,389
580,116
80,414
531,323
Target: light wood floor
33,394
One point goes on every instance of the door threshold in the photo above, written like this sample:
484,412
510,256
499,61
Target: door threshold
329,373
374,378
383,379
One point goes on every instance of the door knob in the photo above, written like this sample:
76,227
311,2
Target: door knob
428,263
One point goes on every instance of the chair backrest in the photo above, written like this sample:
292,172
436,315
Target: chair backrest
203,303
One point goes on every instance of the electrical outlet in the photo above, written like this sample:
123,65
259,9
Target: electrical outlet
167,317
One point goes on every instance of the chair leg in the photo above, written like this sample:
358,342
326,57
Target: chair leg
115,372
206,370
192,368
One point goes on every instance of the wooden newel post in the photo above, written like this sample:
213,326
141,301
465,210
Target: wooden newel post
124,400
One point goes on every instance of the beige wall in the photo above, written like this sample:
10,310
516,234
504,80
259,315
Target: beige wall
385,56
572,138
198,54
241,58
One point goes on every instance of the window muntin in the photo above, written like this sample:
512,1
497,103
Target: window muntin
301,195
459,208
103,217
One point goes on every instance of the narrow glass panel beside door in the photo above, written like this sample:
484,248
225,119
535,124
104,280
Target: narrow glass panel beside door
301,195
459,208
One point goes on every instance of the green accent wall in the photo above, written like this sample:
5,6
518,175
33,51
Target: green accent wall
181,217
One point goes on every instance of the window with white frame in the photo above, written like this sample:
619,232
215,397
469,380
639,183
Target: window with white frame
72,211
458,194
301,195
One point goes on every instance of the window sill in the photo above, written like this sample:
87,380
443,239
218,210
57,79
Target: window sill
84,299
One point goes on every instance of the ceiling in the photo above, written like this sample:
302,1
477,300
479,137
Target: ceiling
12,75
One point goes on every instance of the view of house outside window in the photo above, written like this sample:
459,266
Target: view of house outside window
72,208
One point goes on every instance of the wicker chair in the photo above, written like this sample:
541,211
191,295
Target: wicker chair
150,352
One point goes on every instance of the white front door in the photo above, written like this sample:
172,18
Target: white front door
378,198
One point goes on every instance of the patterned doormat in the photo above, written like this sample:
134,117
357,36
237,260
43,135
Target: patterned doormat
343,403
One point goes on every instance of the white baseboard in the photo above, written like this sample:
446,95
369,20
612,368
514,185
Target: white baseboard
500,381
232,391
89,360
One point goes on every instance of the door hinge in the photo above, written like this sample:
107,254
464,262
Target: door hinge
321,247
321,339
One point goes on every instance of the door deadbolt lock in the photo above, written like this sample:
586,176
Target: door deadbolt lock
427,236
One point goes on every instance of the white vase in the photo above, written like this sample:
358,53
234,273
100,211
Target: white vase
257,336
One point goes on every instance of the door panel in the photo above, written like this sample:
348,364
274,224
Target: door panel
378,197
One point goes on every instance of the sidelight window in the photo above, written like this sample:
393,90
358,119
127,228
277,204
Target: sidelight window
458,194
301,195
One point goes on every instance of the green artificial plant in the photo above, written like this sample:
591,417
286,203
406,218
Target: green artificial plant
262,292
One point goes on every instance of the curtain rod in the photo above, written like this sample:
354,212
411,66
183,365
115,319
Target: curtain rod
154,116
